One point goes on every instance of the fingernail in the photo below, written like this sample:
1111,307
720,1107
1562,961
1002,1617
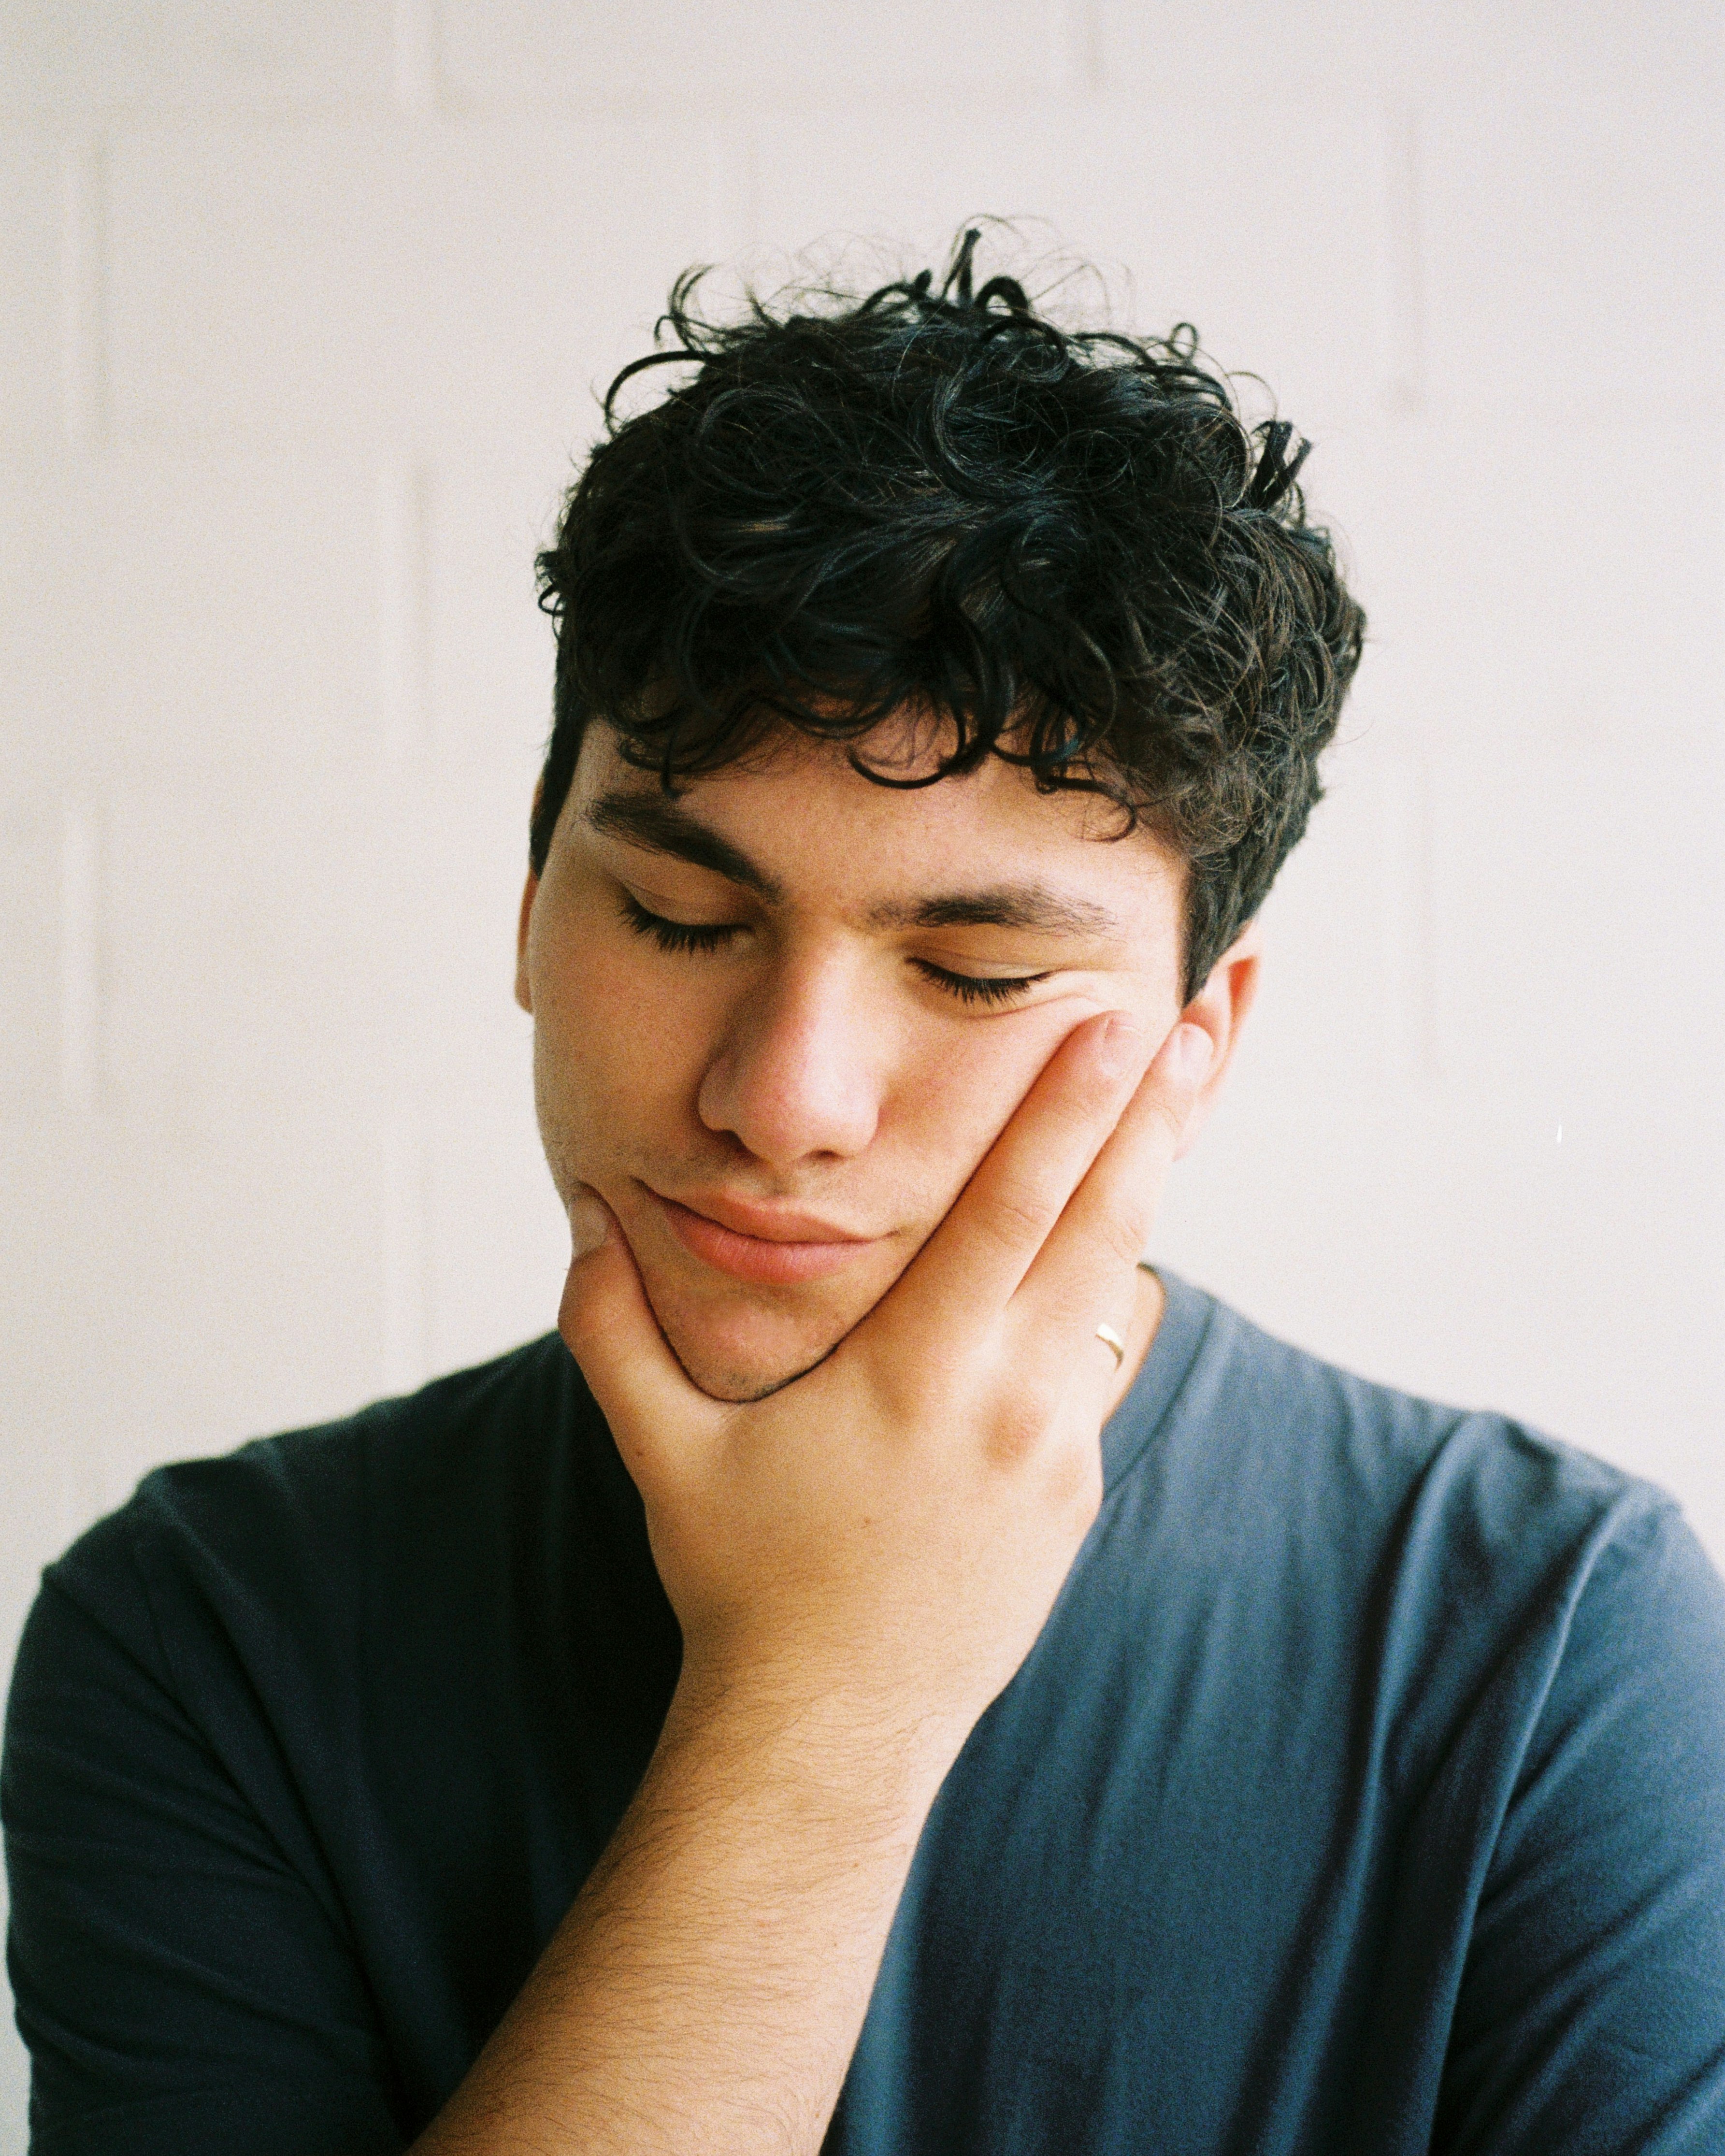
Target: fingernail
1123,1045
1191,1055
588,1223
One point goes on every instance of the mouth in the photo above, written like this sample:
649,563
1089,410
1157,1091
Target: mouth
777,1248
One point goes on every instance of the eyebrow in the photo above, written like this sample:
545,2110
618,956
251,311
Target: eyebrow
658,824
1031,906
661,826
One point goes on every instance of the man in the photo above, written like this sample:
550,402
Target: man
896,1674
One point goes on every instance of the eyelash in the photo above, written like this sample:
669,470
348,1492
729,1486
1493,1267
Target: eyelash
973,987
673,935
684,936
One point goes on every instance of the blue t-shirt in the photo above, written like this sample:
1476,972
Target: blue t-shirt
1364,1793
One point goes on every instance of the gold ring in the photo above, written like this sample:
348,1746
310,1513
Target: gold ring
1106,1334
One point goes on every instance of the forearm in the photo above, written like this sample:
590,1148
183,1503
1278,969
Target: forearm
706,1989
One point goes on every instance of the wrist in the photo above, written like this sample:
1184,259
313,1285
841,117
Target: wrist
840,1748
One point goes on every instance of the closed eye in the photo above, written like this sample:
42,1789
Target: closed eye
675,935
979,988
687,936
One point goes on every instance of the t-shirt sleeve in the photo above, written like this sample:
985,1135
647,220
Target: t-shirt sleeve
182,1987
1592,2012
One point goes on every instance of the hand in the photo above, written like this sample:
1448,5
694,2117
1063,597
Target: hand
884,1537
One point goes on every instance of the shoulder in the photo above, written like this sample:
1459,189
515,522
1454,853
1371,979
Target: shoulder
470,1422
1449,1552
299,1518
1337,1448
1512,1633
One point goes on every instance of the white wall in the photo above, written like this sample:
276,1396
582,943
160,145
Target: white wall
303,304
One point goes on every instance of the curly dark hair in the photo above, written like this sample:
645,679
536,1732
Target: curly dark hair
1066,546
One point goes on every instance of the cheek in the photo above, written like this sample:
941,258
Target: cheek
617,1042
960,1098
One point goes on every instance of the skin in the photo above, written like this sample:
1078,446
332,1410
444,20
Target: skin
863,1491
809,1060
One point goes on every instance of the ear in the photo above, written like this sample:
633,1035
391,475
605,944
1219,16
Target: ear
523,989
1220,1007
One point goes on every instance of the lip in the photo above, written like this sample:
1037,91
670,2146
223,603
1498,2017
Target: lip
776,1246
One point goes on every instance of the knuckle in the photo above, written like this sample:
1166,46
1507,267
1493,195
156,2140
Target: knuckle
1099,1101
1166,1115
1152,1140
1017,1427
1016,1214
1123,1237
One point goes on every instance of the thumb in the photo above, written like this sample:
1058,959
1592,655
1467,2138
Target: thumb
608,1325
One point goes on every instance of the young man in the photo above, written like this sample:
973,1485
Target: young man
895,1675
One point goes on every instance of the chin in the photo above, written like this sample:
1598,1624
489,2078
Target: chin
723,1377
744,1355
737,1388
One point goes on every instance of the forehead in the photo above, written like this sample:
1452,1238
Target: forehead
828,834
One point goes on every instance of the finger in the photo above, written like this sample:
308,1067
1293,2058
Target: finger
969,1269
609,1327
1076,1275
1094,1387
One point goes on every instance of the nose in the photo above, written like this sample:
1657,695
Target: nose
798,1075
